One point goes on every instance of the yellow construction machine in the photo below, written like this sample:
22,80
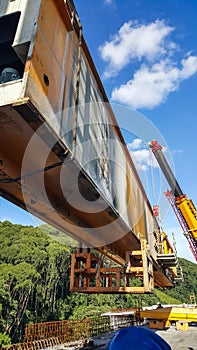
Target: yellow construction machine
183,207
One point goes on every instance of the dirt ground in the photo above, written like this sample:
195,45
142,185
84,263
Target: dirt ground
180,340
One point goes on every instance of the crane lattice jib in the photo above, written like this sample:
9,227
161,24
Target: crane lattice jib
182,206
185,228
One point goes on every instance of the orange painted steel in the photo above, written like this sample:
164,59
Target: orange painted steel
58,74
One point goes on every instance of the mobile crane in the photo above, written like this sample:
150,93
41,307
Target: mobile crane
183,207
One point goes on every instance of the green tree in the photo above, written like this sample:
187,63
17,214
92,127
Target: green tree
34,282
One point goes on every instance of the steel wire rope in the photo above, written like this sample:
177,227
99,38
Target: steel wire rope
153,186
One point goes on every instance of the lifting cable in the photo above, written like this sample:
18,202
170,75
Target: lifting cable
152,177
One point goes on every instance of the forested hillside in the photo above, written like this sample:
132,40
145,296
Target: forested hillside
34,282
183,290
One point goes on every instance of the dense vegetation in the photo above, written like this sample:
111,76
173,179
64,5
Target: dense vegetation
183,290
34,282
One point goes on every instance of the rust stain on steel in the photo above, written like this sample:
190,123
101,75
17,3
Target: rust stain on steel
49,86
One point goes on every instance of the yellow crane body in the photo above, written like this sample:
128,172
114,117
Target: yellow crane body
189,213
169,314
183,207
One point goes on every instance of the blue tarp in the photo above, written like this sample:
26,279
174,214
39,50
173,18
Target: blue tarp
137,338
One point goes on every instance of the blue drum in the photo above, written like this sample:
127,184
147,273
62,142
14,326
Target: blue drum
137,338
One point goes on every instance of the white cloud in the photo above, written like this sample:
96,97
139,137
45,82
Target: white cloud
151,85
134,41
135,144
143,159
158,72
177,151
189,67
107,2
141,156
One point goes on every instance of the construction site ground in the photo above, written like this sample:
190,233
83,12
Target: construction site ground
178,340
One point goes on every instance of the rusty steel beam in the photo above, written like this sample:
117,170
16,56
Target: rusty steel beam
43,136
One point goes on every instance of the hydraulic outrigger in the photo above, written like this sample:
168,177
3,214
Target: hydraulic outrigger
183,207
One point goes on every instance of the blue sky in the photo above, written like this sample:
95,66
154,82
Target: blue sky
146,55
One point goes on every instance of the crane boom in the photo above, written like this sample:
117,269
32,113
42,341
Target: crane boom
157,150
183,207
